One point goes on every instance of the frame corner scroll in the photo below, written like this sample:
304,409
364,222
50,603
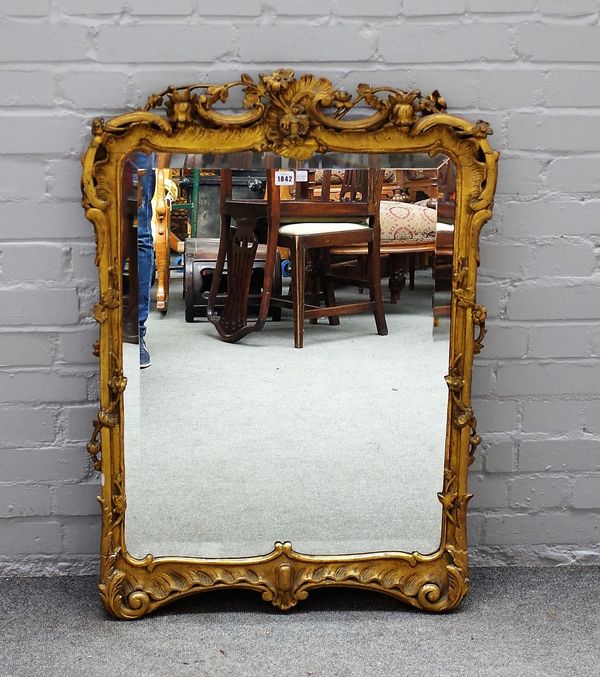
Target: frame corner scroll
294,117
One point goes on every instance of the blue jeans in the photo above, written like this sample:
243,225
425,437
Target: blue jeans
144,239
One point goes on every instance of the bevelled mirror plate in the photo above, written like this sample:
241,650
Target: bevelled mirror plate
351,454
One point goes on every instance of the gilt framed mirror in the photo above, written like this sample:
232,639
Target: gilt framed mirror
251,464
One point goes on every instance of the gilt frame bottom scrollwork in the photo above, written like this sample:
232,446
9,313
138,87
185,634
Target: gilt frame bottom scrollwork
294,118
132,589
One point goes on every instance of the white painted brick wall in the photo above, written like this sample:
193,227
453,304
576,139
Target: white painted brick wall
551,416
30,8
433,8
91,7
574,175
448,41
20,179
565,41
530,67
43,42
496,6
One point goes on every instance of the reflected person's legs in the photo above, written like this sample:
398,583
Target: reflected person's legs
145,261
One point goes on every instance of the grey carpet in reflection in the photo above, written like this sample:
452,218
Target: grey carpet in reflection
337,447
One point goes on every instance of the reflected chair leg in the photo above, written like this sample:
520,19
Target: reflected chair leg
327,285
312,280
298,274
411,271
161,249
375,290
397,277
362,265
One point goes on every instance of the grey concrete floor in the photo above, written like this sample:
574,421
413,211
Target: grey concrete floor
515,621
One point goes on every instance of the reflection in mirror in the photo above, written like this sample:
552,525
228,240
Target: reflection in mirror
338,447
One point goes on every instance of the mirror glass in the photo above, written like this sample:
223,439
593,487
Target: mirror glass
337,447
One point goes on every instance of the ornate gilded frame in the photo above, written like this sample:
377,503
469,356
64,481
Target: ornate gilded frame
295,118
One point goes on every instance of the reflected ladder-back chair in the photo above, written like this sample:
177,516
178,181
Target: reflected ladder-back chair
310,228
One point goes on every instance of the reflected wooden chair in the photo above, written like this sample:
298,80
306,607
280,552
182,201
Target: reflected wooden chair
408,231
160,233
407,241
164,240
311,228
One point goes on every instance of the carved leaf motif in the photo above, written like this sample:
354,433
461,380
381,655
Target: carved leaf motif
434,103
250,576
110,590
225,576
308,85
481,129
389,578
154,101
320,573
278,81
301,150
448,501
161,587
464,297
457,584
366,91
341,572
179,581
412,584
340,100
479,314
251,98
367,574
455,382
474,442
465,418
216,94
300,576
203,578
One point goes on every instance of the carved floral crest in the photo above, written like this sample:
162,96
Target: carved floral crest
291,109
